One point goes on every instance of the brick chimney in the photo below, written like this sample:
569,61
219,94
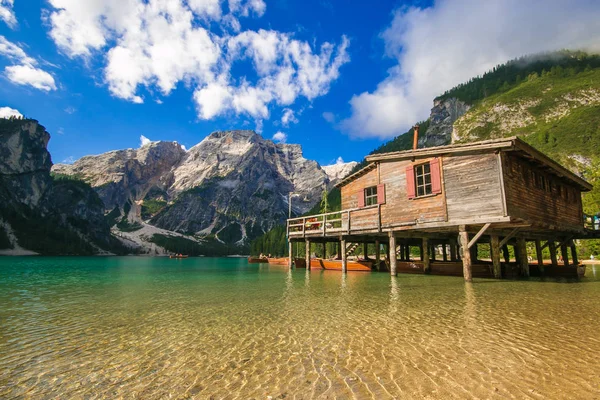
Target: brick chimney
415,137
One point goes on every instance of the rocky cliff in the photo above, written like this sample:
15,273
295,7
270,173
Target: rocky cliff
39,213
229,188
443,115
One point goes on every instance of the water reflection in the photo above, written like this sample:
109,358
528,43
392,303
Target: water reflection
146,328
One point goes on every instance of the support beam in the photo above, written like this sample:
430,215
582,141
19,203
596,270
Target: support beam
307,255
453,256
495,253
393,260
474,253
521,249
540,256
426,256
366,250
377,254
445,252
552,248
478,234
565,254
574,253
466,254
291,254
344,256
324,250
510,236
505,252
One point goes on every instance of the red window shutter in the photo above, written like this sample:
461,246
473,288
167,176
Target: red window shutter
361,198
410,181
381,194
436,178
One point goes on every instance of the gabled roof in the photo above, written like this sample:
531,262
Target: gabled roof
505,144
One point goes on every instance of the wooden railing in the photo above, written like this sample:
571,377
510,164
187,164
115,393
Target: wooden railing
337,222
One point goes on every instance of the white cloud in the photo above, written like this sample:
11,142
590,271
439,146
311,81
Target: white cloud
280,137
339,161
61,131
160,44
7,14
288,117
31,76
454,40
26,73
69,160
144,141
183,147
70,110
329,117
7,112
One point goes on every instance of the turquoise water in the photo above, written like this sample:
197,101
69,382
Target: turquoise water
134,327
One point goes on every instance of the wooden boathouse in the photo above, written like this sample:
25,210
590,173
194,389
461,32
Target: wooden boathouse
446,201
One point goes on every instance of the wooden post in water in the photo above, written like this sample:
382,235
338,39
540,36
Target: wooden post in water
291,254
425,256
474,252
521,250
495,253
344,256
466,253
366,250
453,250
393,260
552,248
540,255
307,255
565,254
506,253
377,254
574,253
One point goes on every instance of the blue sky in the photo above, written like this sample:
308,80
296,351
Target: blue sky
348,75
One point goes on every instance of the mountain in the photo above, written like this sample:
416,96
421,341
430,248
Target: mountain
40,213
230,188
340,170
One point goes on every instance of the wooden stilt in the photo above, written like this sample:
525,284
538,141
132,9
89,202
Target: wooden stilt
444,252
495,253
432,252
425,256
574,253
466,254
291,254
552,248
393,260
324,250
365,250
344,256
521,250
565,254
540,256
474,252
506,253
377,254
307,255
453,250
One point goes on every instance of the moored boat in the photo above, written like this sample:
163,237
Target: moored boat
334,265
179,256
257,260
278,261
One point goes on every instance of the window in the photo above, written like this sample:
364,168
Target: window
371,196
423,179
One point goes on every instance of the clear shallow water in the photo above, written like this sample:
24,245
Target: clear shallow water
200,328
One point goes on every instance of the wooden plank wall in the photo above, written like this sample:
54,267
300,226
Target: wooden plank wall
473,188
526,200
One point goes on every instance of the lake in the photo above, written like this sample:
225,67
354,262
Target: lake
152,328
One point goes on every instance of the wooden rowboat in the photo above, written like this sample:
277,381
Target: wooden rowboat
278,261
257,260
181,256
334,265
